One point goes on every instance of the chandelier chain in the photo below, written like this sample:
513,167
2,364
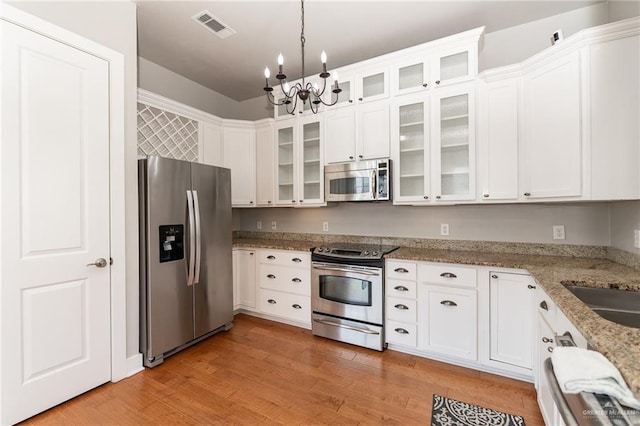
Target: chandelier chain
302,39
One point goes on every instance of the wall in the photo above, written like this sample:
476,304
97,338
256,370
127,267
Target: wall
585,224
112,24
159,80
625,217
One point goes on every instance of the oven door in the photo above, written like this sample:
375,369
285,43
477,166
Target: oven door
345,291
351,185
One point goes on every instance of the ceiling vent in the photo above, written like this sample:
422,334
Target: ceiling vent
213,24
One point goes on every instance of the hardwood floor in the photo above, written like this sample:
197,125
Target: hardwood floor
262,372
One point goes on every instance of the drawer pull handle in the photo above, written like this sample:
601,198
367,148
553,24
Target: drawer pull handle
296,306
296,280
401,270
271,257
400,288
544,306
527,194
550,349
273,302
531,287
401,331
547,340
448,303
448,275
401,307
296,259
271,277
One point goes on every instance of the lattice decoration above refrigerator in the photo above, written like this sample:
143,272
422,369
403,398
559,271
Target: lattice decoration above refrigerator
166,134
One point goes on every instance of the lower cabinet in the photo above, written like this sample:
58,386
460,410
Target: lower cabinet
244,279
450,320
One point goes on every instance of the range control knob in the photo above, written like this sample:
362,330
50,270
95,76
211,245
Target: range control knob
327,249
366,252
375,253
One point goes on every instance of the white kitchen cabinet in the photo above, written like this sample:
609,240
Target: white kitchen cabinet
210,137
498,139
244,279
372,85
511,330
284,278
300,165
613,108
239,141
552,151
265,170
448,320
401,311
358,133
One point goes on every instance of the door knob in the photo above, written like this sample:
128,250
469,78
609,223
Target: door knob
99,263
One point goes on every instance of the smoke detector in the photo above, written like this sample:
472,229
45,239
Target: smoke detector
213,24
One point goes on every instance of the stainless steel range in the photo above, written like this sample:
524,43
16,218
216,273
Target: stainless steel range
347,293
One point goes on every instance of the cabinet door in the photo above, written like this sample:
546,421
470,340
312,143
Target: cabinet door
552,160
283,111
511,299
455,65
340,131
311,169
210,137
498,144
347,96
285,163
244,279
453,144
240,157
373,130
410,76
544,346
265,161
409,141
372,85
450,319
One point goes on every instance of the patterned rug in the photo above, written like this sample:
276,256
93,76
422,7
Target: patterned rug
449,412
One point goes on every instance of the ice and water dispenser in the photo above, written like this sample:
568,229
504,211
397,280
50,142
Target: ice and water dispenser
171,242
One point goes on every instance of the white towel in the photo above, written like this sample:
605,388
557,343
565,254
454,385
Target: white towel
581,370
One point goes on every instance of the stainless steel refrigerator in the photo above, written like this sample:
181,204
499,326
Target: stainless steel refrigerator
186,282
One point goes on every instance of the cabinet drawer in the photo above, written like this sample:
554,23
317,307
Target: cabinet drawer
401,309
283,278
291,306
448,274
285,258
401,270
401,334
398,288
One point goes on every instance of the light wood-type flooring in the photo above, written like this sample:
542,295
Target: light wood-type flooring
263,372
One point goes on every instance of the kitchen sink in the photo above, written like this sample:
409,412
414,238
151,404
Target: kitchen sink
619,306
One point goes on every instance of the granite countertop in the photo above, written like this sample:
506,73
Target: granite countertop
620,344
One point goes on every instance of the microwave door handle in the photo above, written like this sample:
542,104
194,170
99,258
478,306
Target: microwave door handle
329,268
374,184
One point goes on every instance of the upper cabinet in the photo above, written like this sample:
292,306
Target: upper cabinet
372,85
299,164
265,160
239,141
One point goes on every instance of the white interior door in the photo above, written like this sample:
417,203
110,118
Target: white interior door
54,157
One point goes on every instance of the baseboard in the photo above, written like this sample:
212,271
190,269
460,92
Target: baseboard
134,364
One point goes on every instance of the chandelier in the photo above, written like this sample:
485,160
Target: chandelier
305,91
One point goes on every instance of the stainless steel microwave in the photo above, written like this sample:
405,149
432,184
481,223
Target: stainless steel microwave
359,181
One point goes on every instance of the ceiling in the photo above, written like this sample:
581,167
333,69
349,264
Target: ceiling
349,31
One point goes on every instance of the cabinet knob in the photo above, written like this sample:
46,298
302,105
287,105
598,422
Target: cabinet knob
547,340
273,302
438,197
269,202
296,306
250,202
350,101
351,157
485,195
531,287
550,349
448,303
494,276
401,331
425,84
359,99
527,194
360,156
251,253
296,280
293,201
426,197
437,81
271,277
302,201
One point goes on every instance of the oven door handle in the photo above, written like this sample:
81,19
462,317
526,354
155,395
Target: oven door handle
348,327
331,268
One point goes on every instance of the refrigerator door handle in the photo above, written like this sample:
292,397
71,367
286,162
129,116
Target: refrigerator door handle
196,209
192,239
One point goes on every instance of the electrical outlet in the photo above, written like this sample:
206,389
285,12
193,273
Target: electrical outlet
636,238
259,225
274,225
325,226
444,229
558,232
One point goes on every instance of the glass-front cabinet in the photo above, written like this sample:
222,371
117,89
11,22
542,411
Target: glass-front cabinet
453,144
372,85
299,169
411,156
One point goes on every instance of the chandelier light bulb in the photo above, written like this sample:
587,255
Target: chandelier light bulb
335,76
267,73
286,87
315,86
323,57
280,59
